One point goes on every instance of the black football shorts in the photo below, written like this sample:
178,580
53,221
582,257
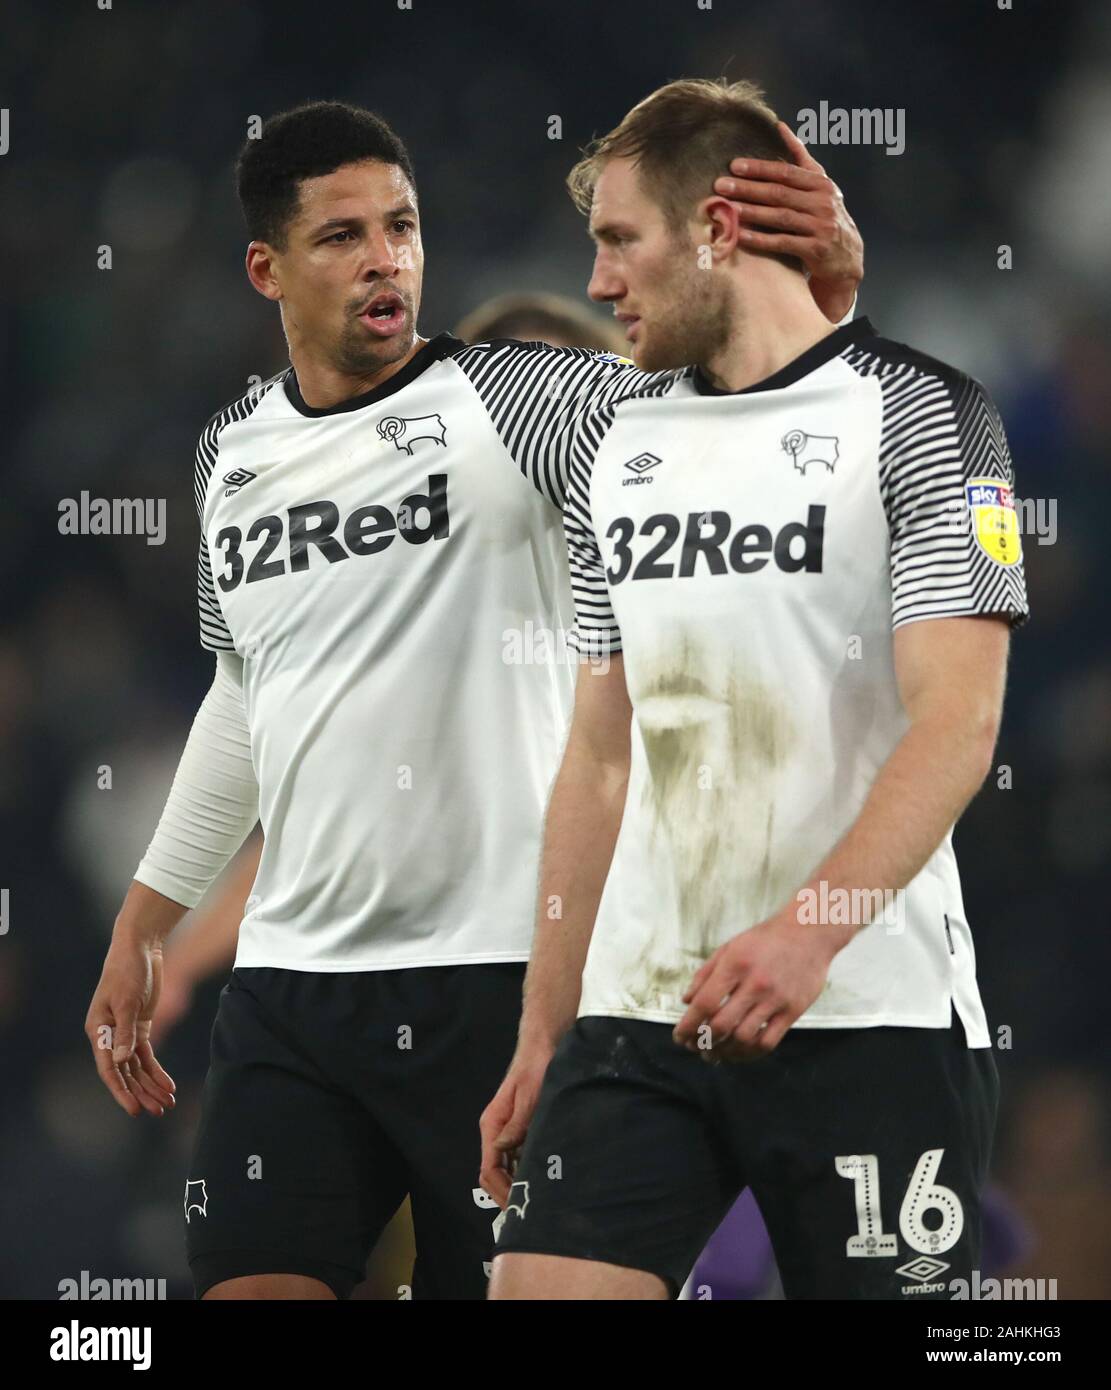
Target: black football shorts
329,1098
866,1149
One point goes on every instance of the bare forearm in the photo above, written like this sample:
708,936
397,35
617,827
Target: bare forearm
920,792
209,944
147,916
584,817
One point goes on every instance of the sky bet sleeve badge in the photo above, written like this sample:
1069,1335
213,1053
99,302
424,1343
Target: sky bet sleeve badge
991,505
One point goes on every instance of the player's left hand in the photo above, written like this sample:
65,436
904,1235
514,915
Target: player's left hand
753,988
504,1123
797,210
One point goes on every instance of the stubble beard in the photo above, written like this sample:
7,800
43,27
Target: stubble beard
357,354
694,326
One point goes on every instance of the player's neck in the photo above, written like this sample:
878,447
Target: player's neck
323,385
774,328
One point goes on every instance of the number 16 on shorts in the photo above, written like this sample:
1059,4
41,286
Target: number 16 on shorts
923,1194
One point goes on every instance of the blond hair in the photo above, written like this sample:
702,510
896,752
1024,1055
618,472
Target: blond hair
681,138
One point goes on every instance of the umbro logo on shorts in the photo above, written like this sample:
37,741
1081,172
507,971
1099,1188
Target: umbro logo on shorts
924,1271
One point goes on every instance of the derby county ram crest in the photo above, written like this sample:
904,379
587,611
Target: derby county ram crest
405,432
196,1197
806,449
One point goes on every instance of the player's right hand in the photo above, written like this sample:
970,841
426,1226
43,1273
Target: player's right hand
505,1121
796,209
118,1028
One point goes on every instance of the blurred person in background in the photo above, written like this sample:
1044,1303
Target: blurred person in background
538,317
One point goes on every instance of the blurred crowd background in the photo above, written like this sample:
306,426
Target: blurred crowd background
123,127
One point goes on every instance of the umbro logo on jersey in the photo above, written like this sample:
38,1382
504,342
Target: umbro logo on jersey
285,541
797,546
237,478
405,431
806,449
640,465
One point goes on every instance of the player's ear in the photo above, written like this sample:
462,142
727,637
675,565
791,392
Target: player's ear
720,225
260,270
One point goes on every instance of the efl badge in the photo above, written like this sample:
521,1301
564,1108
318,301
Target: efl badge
991,504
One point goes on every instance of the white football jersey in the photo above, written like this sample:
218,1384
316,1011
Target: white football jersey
388,569
750,553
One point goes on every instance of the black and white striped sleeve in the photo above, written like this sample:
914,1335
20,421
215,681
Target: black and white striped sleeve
537,395
213,629
947,485
596,633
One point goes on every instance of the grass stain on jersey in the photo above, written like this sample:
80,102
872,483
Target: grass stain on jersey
714,748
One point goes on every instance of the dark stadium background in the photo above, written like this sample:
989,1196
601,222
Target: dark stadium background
123,127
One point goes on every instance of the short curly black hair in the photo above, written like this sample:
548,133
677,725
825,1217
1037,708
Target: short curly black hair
304,143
